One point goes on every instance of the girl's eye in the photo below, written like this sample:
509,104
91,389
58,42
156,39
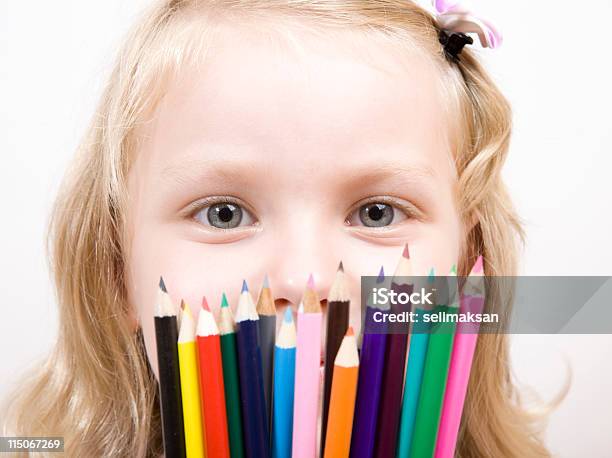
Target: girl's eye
376,214
224,215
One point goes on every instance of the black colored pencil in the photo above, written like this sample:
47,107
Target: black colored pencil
267,340
166,336
338,306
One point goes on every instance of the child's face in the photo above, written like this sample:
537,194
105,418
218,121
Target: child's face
266,161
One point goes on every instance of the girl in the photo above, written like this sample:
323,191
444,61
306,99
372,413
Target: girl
239,137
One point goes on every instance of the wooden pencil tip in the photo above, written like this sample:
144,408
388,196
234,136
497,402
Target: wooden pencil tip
266,282
350,332
245,288
205,304
478,265
224,302
406,252
453,270
162,285
183,305
341,267
311,283
381,275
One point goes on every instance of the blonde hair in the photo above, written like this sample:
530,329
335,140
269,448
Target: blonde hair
96,389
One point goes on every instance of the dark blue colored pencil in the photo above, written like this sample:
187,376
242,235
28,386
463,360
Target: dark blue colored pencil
252,399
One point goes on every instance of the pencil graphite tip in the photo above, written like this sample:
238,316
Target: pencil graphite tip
245,288
288,317
224,302
266,282
162,285
341,267
453,270
381,275
205,304
406,253
183,305
311,283
478,265
350,332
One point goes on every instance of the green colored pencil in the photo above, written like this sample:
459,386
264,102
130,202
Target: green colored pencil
227,329
435,374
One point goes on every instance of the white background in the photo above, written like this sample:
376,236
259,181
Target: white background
555,66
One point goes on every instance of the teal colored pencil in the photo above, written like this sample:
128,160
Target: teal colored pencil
419,341
435,374
284,382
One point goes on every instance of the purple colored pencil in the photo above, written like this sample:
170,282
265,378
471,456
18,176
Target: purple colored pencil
371,365
395,363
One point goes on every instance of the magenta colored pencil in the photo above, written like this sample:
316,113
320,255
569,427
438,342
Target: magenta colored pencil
466,337
395,362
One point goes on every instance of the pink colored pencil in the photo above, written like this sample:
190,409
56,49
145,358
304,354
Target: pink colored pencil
472,300
307,374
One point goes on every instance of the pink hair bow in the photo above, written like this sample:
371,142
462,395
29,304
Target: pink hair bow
455,17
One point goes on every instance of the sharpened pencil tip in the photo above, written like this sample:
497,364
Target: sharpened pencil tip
266,282
224,302
381,275
406,253
431,276
350,332
205,304
453,270
341,267
245,288
288,317
183,305
310,284
162,285
478,265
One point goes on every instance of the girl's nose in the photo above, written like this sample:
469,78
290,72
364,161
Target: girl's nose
294,265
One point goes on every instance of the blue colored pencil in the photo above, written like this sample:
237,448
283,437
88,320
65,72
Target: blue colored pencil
371,366
419,341
284,383
252,399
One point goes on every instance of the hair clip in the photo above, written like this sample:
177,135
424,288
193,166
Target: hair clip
454,43
456,21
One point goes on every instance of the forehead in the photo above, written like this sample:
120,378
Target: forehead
298,95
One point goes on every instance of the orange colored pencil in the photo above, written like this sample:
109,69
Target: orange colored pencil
211,384
342,401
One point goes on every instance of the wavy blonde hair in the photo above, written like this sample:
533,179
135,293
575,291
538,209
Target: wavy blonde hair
96,388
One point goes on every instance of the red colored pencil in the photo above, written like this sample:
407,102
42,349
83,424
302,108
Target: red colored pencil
211,385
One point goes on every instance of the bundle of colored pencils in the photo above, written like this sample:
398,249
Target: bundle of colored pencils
230,386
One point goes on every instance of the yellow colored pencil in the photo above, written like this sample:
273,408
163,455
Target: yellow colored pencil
190,388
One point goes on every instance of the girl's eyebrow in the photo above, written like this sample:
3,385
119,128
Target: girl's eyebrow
418,174
191,171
